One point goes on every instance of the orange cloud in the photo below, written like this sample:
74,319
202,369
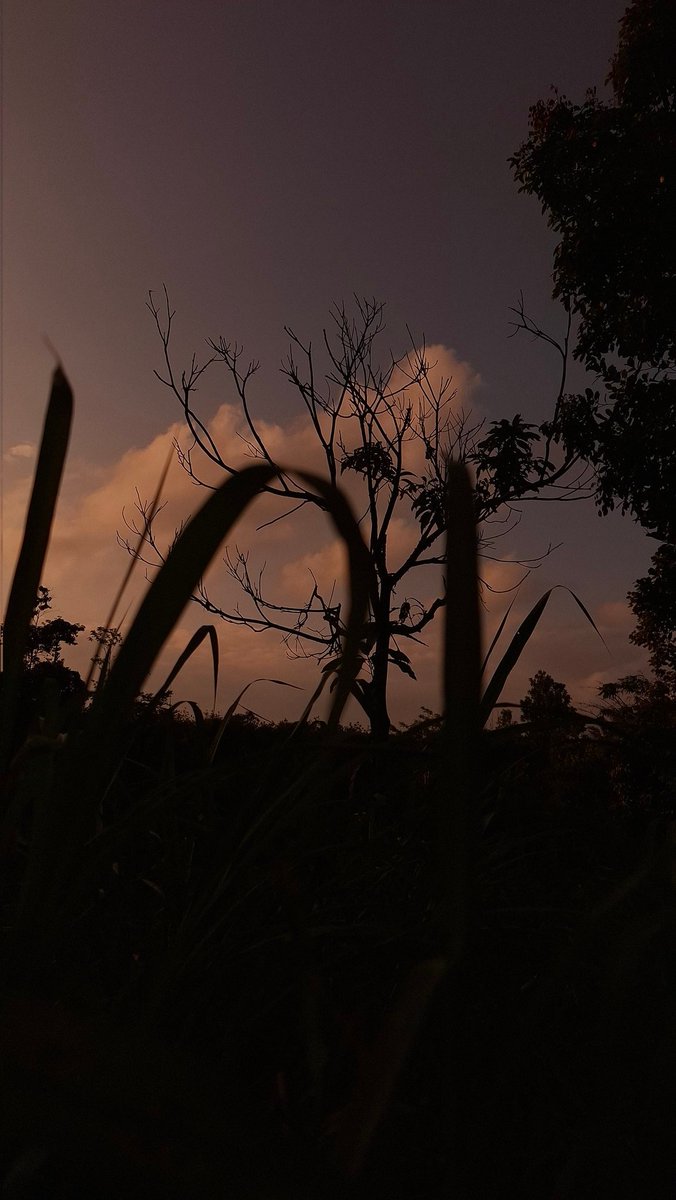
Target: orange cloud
21,450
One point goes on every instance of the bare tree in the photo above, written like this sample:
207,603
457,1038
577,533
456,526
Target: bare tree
393,429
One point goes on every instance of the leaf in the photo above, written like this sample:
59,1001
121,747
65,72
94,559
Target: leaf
194,643
147,522
402,661
186,564
89,761
305,715
28,571
516,646
195,709
225,720
501,626
511,657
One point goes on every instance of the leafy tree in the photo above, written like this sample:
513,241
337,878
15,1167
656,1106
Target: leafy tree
106,640
653,602
505,718
46,637
635,697
546,701
605,174
377,424
47,681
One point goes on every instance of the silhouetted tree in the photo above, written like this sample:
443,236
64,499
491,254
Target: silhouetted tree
653,602
46,637
47,682
546,700
605,174
505,718
367,420
635,698
106,640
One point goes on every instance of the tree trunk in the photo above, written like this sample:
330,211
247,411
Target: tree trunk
379,716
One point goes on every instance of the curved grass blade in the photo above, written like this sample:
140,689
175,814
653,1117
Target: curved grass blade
589,617
498,633
304,716
225,720
362,589
187,562
511,656
87,762
194,643
194,708
28,571
328,669
147,522
105,665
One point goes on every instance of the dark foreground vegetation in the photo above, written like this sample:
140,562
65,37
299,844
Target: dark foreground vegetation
304,963
208,1020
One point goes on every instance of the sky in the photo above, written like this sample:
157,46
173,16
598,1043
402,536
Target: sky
265,160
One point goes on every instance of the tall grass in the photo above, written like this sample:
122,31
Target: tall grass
219,909
28,573
64,783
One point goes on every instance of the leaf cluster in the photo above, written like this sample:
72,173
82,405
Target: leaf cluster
653,602
605,175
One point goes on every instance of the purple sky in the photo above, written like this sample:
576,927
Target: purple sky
264,160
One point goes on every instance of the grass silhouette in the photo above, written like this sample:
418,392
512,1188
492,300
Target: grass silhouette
299,962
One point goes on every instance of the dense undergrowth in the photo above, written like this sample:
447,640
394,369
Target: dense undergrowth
296,961
267,910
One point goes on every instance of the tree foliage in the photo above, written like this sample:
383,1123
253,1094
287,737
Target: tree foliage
47,682
46,637
546,701
44,656
605,174
505,718
653,602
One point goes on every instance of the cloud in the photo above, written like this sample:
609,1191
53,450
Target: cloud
22,450
615,616
444,367
325,565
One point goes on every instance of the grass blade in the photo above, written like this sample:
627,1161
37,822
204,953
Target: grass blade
87,762
511,656
498,633
194,643
455,818
224,722
28,571
462,683
186,564
147,522
194,708
329,669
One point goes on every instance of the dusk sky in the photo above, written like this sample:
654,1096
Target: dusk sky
263,160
